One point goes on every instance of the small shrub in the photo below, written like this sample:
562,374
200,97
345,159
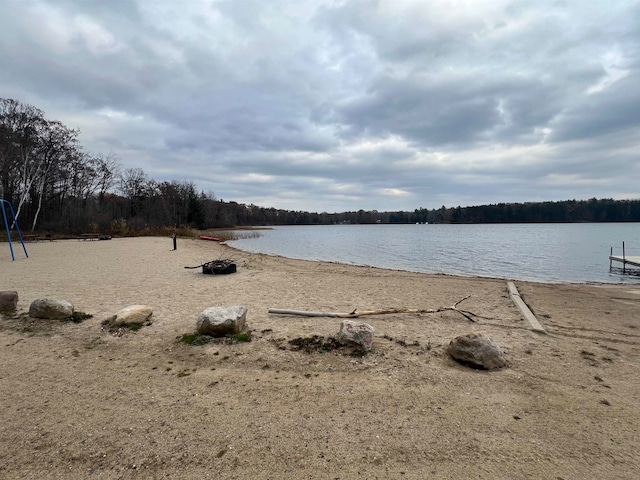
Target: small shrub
242,337
119,227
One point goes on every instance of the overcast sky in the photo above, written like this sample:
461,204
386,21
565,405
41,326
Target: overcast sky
347,104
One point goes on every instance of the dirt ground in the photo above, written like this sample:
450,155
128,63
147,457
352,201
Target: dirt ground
78,402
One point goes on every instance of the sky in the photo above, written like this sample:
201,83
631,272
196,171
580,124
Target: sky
333,106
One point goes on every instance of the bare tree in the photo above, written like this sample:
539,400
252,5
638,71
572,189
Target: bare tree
59,144
108,169
134,185
22,127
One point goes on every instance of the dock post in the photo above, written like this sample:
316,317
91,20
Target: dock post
610,259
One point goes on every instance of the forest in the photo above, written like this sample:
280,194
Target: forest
54,185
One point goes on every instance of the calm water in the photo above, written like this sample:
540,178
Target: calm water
538,252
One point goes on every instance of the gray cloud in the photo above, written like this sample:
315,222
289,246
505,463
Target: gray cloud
342,105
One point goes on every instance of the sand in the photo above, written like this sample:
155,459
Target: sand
77,402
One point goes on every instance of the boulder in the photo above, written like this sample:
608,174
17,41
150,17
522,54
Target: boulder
359,333
132,315
8,301
477,350
50,309
221,321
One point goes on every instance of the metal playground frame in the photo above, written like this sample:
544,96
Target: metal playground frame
6,226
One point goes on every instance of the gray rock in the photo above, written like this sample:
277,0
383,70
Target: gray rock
359,333
50,309
132,315
477,350
221,321
8,301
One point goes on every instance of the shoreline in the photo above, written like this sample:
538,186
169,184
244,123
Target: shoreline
441,274
636,271
562,257
81,403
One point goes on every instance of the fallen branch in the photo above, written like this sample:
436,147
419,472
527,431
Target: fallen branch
197,266
355,313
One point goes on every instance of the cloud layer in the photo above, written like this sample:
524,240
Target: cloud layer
343,105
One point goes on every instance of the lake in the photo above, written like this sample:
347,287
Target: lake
556,253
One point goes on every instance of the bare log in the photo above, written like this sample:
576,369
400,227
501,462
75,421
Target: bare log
355,313
302,313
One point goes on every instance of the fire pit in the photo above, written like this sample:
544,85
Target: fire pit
219,267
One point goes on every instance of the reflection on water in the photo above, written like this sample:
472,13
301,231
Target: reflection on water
538,252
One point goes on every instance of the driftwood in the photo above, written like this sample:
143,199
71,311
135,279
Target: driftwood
355,313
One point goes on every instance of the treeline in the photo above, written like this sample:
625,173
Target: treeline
568,211
54,185
593,210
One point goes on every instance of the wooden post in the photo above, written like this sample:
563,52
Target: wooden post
624,260
175,242
610,259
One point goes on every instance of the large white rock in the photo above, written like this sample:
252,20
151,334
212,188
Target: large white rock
477,350
132,315
359,333
221,321
50,308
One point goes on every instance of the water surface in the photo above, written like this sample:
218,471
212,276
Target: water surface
537,252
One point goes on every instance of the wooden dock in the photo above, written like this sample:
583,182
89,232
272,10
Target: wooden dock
633,260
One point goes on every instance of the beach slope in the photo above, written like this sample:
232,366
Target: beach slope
79,402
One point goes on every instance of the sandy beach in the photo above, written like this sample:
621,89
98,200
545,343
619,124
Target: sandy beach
78,402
